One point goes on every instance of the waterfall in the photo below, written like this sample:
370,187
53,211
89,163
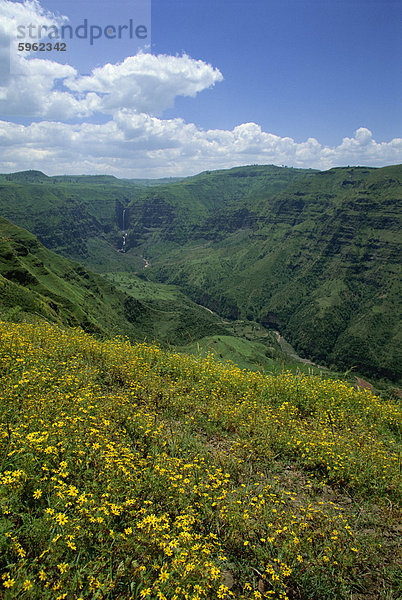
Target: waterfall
123,248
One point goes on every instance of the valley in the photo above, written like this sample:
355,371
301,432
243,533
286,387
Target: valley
313,255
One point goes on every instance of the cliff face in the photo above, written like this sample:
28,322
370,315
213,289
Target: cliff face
81,217
314,254
320,260
37,282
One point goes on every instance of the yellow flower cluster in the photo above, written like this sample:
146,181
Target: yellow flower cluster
128,472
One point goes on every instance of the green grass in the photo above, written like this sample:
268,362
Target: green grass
242,352
36,283
318,261
146,290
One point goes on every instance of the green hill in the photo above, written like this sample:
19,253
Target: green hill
315,255
37,282
319,261
82,217
135,471
25,177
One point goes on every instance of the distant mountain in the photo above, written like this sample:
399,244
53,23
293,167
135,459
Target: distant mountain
93,179
314,255
154,182
82,217
25,177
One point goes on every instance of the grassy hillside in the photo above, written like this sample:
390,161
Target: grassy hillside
320,261
247,344
37,282
66,216
81,217
131,473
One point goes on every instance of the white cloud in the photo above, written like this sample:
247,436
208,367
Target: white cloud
14,14
146,83
50,90
27,85
31,93
139,145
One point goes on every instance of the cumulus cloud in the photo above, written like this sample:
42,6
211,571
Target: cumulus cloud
146,83
140,145
50,90
14,14
31,92
27,85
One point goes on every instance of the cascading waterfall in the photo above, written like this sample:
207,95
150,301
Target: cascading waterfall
124,230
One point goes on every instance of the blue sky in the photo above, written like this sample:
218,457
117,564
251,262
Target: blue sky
316,68
309,83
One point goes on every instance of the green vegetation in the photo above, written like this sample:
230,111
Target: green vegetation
130,473
35,282
242,352
314,255
131,470
319,261
80,217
